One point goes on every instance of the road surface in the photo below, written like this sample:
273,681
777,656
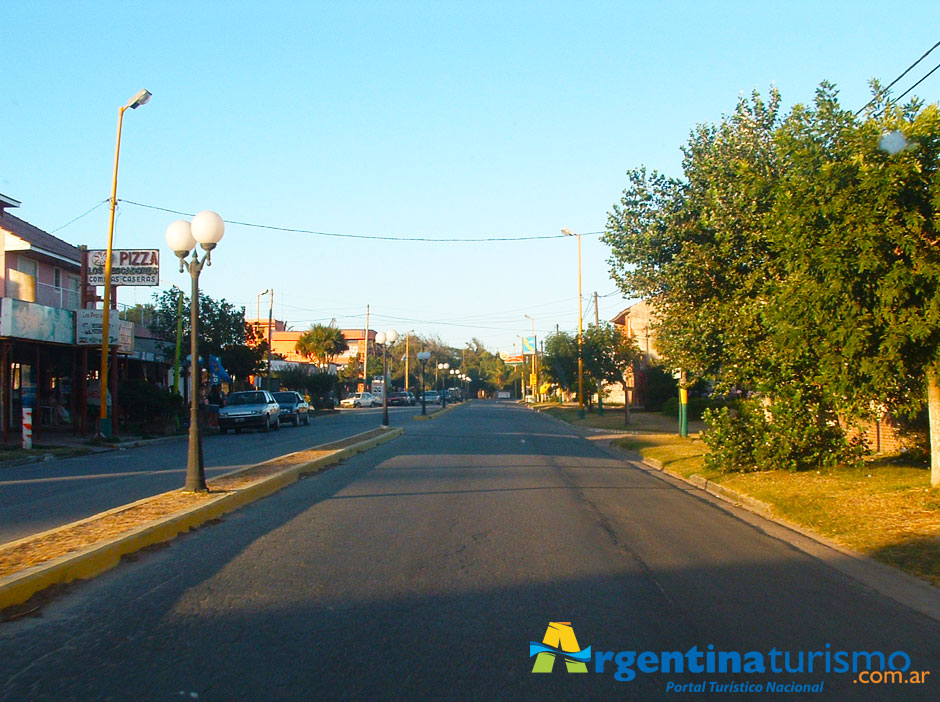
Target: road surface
423,569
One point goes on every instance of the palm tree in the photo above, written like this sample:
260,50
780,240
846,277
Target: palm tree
323,343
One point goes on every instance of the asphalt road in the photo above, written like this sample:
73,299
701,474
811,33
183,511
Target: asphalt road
41,496
421,570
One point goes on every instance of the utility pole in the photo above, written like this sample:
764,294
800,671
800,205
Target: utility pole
365,358
600,383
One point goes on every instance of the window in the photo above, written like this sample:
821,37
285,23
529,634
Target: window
57,277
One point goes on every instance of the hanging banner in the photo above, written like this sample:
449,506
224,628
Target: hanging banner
528,345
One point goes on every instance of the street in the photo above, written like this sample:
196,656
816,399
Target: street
423,569
41,496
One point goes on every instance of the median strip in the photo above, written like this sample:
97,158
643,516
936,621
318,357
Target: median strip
93,545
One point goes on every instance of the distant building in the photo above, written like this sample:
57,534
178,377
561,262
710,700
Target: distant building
284,341
635,323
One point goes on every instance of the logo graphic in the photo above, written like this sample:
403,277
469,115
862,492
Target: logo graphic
559,640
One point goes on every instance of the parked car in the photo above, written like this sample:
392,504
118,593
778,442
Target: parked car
360,399
250,409
398,399
432,397
294,408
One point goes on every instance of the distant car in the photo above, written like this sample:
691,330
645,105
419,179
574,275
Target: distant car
431,397
360,399
294,408
251,409
398,399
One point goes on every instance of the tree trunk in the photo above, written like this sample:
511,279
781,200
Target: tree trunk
626,403
933,409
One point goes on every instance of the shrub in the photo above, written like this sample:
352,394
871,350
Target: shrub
793,432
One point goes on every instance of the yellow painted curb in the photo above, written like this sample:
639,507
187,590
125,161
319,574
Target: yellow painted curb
434,415
98,558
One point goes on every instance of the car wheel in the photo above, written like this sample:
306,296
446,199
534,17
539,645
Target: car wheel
277,423
296,420
307,419
267,423
355,404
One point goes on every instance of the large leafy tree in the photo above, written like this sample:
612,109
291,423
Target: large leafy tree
221,324
858,228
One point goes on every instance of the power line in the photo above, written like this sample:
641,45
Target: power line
371,237
919,82
906,71
87,212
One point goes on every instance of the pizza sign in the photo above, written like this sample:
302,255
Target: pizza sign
128,267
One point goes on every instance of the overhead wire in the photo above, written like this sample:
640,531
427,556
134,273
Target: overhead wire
884,90
369,237
83,214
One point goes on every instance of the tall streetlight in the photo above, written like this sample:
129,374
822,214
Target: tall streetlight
568,232
535,355
384,339
423,356
269,291
104,425
453,375
443,367
207,229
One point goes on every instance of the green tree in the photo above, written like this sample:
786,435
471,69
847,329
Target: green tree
608,356
323,343
858,227
221,324
560,360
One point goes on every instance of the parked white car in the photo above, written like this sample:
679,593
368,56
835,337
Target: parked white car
360,399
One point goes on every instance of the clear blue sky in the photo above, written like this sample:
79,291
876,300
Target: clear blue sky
457,120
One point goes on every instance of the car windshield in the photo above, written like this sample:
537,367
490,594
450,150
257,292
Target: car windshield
285,397
246,398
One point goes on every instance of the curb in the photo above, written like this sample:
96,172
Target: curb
894,583
434,415
98,558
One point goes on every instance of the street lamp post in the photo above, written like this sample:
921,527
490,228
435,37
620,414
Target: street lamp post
270,292
207,229
568,232
104,425
423,356
384,339
535,356
453,375
443,367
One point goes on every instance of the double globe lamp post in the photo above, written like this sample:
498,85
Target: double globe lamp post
206,229
443,367
423,356
384,339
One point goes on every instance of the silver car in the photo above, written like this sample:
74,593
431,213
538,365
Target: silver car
251,409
